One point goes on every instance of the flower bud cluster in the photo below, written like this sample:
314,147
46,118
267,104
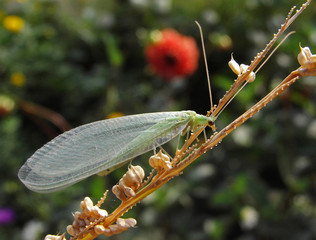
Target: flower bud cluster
88,215
241,69
129,183
306,59
160,161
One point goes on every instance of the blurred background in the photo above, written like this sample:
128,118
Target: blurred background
64,63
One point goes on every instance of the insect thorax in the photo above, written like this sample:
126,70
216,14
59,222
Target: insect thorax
201,120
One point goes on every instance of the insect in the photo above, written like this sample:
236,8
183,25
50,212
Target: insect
103,146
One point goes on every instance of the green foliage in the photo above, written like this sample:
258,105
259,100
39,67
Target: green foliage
85,59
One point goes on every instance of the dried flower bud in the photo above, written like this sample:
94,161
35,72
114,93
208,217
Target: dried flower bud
99,229
102,212
128,222
86,204
243,68
234,66
118,192
306,58
121,225
129,183
240,69
133,177
71,230
251,77
160,161
301,57
55,237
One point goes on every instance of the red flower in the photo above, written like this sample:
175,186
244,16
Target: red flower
173,55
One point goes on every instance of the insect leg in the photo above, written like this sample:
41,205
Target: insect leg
178,144
205,137
165,152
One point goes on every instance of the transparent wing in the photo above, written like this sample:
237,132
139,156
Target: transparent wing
95,147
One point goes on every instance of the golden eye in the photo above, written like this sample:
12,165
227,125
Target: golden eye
211,123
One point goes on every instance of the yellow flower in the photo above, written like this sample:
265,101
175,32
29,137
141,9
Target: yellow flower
114,115
17,79
13,23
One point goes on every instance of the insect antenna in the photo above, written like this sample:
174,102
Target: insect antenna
259,67
206,66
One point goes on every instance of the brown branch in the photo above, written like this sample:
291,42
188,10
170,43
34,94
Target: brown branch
243,77
42,112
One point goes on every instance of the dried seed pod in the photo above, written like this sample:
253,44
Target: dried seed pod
129,183
99,229
72,230
86,205
160,161
234,66
121,225
133,177
118,192
306,58
122,191
240,69
55,237
251,77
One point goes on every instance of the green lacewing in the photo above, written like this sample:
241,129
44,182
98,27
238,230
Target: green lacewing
103,146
